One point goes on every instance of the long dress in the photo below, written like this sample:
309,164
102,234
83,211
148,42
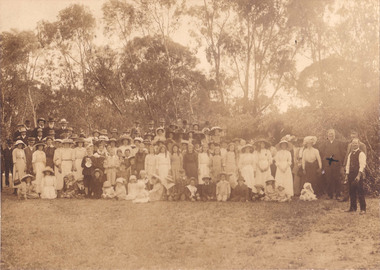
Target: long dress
79,154
246,167
176,163
48,187
203,166
311,162
150,166
283,163
163,167
190,164
229,164
297,170
19,165
57,163
263,172
67,159
216,167
49,152
39,162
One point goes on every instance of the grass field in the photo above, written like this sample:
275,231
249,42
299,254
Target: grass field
95,234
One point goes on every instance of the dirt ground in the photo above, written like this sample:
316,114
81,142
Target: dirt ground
97,234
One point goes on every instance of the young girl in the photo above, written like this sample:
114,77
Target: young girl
142,195
97,183
176,160
229,165
39,164
216,164
307,193
88,169
132,188
156,194
119,154
247,165
79,153
111,165
27,188
160,135
282,195
19,162
150,163
284,175
191,191
57,159
264,160
163,164
120,191
203,163
223,188
48,184
270,190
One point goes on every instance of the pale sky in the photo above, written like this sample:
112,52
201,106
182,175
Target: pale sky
24,15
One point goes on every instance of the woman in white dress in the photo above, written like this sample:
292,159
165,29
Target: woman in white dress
163,164
48,184
247,165
150,163
284,175
39,164
229,165
67,160
57,162
19,162
203,164
264,160
79,154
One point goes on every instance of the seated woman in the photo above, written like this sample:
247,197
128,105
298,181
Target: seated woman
28,188
156,194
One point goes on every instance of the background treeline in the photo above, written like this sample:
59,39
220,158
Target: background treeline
254,53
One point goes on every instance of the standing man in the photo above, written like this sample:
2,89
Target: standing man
50,126
8,161
354,135
40,125
356,163
62,129
28,126
17,134
332,153
23,136
136,130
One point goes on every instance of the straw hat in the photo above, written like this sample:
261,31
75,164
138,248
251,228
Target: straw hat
26,176
120,180
283,141
312,139
139,139
268,144
70,141
39,143
48,169
19,142
247,146
160,128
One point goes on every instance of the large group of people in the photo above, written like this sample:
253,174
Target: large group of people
179,161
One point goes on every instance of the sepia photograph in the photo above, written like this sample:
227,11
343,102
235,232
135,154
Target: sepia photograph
190,134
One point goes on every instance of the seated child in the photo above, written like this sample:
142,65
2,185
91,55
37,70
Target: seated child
49,184
28,188
108,191
120,191
191,191
259,194
208,190
132,188
307,193
142,195
240,192
282,196
223,188
70,187
270,191
156,194
144,177
177,192
97,184
81,191
123,173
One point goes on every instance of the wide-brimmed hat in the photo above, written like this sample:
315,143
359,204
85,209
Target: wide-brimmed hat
39,143
22,129
120,180
247,146
270,180
160,128
139,139
312,139
260,140
63,121
26,176
206,177
19,142
95,131
112,140
70,141
40,130
125,137
103,132
147,142
185,142
281,142
48,169
41,119
58,140
103,138
204,130
79,140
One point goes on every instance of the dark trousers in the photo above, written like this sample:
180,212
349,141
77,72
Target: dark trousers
356,190
8,168
333,179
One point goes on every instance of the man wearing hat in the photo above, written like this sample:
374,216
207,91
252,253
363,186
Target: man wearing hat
136,130
22,136
29,150
28,127
6,153
162,123
207,189
17,134
151,129
40,125
114,133
39,135
62,129
50,126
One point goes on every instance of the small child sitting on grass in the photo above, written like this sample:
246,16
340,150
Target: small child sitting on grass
108,191
259,194
120,190
191,191
27,188
282,196
69,186
132,188
223,188
307,193
270,191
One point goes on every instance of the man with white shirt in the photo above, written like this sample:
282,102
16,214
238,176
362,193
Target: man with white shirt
356,163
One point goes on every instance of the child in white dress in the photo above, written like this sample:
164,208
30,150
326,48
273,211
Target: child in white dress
48,184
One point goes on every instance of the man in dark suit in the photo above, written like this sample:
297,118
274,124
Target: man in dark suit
6,152
207,190
50,126
39,136
23,136
40,124
28,126
29,154
62,129
332,154
17,134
